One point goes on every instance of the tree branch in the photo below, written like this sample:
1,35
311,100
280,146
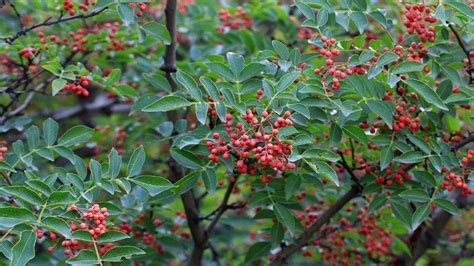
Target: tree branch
465,50
48,22
281,257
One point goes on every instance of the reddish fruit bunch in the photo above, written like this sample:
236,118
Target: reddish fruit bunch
3,149
330,68
452,181
416,19
238,20
182,5
139,8
69,6
255,143
78,86
399,176
28,52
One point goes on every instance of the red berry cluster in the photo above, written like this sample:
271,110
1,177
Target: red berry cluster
140,8
69,6
238,20
330,68
3,148
28,52
119,137
399,176
182,5
415,19
374,241
452,181
78,86
254,144
465,160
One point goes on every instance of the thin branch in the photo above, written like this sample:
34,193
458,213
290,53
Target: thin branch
20,22
282,255
222,208
49,22
465,50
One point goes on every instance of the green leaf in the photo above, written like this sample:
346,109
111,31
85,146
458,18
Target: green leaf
83,235
383,109
11,216
186,182
84,257
186,158
447,206
400,246
335,134
406,67
360,20
210,180
115,162
287,80
305,9
236,62
377,202
256,251
57,85
281,49
277,234
356,133
24,250
6,248
301,109
420,143
167,103
421,214
292,184
96,171
386,156
153,184
50,131
402,213
427,93
40,186
5,166
201,112
127,14
221,69
386,59
58,225
117,253
461,7
210,87
410,157
32,137
112,236
317,153
322,17
75,135
324,170
250,71
61,198
136,161
425,178
157,31
415,194
189,84
24,193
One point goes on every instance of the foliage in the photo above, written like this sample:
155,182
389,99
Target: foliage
277,131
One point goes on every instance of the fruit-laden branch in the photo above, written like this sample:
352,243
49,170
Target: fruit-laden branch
50,22
280,257
429,235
